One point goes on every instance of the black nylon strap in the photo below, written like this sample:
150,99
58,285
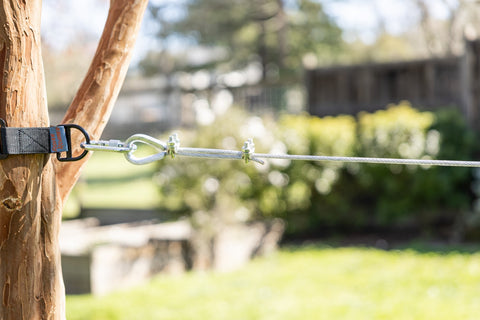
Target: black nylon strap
26,140
40,140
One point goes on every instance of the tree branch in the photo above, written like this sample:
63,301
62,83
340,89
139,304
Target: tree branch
30,278
94,101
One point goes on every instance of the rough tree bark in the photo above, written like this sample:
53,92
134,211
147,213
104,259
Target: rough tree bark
33,188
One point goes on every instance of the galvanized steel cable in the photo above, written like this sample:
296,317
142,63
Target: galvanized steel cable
172,148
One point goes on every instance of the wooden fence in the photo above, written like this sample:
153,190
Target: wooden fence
427,84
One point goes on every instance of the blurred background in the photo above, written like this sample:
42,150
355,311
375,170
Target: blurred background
378,78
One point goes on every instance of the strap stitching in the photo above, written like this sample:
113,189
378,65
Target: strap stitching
21,131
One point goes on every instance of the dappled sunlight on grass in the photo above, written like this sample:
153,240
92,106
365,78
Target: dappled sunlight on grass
309,283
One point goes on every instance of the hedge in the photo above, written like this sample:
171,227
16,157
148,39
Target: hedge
312,196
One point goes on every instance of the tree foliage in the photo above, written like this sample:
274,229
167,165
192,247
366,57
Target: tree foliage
277,33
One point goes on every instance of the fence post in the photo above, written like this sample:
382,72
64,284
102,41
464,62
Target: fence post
470,83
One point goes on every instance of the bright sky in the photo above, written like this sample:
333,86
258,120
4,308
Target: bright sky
61,20
360,17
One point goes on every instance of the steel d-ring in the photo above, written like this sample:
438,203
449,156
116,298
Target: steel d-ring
68,134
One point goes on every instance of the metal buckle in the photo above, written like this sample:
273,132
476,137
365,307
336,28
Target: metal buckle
69,156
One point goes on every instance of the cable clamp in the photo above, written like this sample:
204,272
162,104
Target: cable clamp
247,150
173,145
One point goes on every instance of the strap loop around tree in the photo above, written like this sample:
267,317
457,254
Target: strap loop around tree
39,141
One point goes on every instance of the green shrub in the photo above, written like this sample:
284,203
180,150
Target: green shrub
414,195
211,191
314,195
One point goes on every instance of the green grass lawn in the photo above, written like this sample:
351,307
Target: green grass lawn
308,283
110,181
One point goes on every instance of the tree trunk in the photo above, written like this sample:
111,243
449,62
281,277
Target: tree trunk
33,188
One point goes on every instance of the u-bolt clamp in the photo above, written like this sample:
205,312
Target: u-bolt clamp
247,150
173,145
